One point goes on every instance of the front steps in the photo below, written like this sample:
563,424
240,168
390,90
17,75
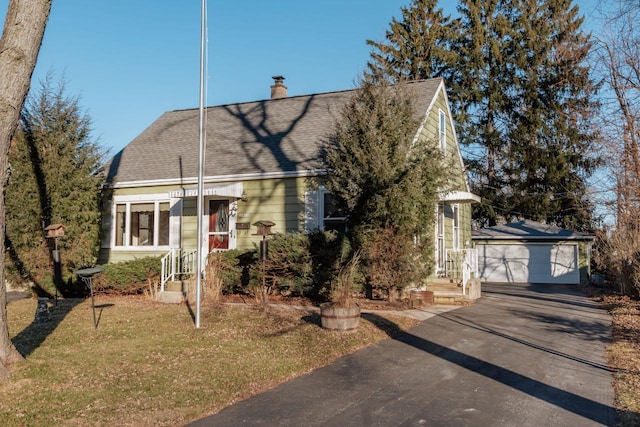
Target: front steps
449,291
174,292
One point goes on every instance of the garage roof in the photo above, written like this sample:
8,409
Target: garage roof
528,230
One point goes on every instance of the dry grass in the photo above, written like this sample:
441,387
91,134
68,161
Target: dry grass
624,355
147,365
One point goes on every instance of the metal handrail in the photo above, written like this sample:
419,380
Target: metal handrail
461,263
176,263
165,271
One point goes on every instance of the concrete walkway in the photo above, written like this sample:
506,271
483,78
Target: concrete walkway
16,295
521,356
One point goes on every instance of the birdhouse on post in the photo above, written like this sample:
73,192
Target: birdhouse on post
263,228
54,230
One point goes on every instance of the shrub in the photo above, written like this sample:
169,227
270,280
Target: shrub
298,265
237,271
618,254
214,279
288,270
393,262
129,277
328,249
345,282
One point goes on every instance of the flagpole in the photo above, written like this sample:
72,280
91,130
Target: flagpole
200,203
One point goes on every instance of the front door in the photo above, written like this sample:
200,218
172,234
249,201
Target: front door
218,225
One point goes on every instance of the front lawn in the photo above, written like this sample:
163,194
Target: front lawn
146,364
624,355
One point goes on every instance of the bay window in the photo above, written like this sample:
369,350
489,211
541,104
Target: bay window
142,224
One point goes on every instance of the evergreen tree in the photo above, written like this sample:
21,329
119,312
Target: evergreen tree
553,103
521,97
416,47
385,181
480,97
56,178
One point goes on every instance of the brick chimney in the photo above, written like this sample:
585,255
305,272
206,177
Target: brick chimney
278,89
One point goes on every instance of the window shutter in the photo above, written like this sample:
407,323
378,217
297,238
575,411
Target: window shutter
107,221
312,215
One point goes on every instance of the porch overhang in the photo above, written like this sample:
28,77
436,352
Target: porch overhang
459,197
231,190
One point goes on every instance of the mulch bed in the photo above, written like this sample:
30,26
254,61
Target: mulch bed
366,304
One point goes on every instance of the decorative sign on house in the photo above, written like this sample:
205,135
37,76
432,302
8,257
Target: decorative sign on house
54,230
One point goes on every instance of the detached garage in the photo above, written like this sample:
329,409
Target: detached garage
532,252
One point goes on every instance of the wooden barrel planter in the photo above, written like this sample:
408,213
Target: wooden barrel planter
339,318
426,297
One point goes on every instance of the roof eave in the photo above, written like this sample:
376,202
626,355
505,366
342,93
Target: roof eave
220,178
532,238
459,197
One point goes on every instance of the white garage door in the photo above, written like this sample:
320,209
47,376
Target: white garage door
529,263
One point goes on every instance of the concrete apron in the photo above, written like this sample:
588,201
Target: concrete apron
521,356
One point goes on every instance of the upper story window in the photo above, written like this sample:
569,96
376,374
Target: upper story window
442,131
142,224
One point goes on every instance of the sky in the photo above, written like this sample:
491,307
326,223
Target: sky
130,61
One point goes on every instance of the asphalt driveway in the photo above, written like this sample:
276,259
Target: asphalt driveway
521,356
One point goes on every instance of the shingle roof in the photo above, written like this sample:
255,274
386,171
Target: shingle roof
528,230
269,136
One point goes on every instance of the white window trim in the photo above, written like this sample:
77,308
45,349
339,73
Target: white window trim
315,210
128,200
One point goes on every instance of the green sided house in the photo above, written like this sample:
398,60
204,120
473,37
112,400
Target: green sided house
260,161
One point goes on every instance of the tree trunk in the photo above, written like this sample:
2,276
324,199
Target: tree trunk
21,39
